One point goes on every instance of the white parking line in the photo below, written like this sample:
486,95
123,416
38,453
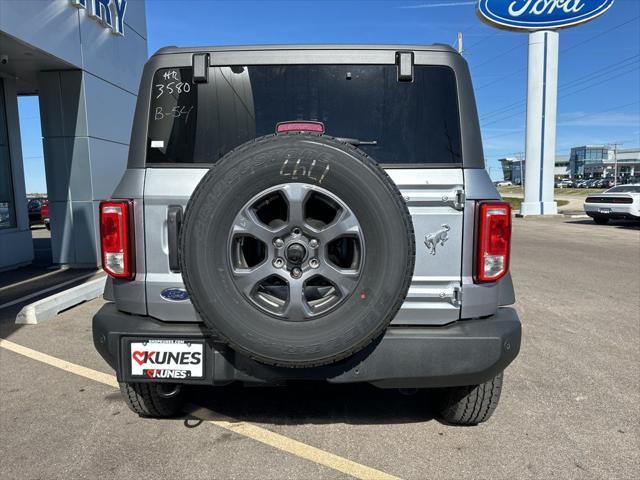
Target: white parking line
59,363
254,432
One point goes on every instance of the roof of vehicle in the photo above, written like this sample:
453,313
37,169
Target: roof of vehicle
435,47
634,185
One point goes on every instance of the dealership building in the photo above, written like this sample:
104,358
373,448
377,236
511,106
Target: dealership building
584,162
598,161
83,59
513,168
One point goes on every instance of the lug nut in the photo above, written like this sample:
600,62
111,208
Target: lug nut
278,243
278,263
296,273
313,243
314,263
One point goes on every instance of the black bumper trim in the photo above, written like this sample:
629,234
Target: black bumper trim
466,352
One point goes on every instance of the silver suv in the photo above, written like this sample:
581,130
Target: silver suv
307,213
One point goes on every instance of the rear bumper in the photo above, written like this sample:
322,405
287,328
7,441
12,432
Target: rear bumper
617,211
463,353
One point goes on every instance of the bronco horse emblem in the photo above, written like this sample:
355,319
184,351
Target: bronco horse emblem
432,240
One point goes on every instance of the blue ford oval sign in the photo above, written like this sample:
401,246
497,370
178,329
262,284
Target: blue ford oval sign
540,14
174,294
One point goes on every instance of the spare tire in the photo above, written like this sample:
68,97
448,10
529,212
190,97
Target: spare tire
297,250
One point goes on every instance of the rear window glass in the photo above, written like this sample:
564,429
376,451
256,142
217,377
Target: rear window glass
411,122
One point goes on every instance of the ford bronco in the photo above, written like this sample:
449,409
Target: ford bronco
307,213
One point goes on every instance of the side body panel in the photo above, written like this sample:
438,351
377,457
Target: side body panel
130,295
436,202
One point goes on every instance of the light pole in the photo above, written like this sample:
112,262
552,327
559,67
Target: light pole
520,158
615,146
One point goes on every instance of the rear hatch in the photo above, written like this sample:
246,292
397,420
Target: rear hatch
412,124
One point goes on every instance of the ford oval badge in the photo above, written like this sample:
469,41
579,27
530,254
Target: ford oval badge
175,294
540,14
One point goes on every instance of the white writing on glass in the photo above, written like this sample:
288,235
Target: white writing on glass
540,7
171,87
171,74
179,111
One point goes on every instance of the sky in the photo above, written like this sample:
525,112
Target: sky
599,67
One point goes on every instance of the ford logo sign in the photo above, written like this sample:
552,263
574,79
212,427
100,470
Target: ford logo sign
175,294
540,14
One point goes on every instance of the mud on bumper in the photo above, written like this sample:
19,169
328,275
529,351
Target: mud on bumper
466,352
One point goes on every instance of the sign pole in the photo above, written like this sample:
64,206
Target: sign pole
542,97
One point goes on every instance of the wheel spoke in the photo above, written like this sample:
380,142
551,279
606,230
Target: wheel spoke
297,308
296,194
343,279
247,278
345,224
248,224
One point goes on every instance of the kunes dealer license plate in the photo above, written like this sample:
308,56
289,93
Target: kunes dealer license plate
167,359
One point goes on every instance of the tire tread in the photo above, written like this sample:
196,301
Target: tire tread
473,404
143,399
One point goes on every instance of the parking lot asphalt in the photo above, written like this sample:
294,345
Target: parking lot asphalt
570,407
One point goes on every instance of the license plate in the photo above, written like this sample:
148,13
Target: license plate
604,210
167,359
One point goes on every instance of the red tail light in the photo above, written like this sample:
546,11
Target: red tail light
115,236
300,126
494,241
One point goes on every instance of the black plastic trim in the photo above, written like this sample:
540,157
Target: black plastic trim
462,353
174,223
200,67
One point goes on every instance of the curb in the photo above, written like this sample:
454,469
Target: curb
49,307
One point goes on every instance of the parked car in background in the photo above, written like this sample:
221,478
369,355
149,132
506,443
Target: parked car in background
44,215
606,183
621,202
34,206
565,183
504,183
581,184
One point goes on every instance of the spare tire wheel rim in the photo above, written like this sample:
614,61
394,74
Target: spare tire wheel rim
296,251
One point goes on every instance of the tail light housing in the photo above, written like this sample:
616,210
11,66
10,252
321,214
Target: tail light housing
494,241
116,238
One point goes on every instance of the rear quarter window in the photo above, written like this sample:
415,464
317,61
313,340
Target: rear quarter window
412,123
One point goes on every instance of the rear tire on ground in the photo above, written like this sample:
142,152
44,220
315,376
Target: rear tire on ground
147,400
601,220
470,405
